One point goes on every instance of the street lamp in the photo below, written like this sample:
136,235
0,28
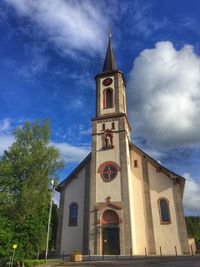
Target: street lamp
49,220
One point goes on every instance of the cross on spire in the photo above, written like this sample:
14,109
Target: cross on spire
110,63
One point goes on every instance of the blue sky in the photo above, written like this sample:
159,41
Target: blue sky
50,52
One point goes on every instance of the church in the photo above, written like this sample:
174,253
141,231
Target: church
119,200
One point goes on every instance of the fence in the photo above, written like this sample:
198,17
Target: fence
90,257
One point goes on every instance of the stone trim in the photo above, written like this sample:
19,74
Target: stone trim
116,84
148,208
112,116
85,245
104,94
101,211
60,223
93,231
98,98
181,225
111,205
124,131
126,232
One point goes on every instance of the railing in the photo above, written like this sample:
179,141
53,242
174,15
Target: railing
90,257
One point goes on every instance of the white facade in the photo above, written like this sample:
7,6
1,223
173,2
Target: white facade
74,192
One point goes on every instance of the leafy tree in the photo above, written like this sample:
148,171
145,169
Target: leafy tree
54,223
193,227
25,170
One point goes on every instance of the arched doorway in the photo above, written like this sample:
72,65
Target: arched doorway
110,233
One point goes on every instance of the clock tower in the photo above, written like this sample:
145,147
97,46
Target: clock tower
110,222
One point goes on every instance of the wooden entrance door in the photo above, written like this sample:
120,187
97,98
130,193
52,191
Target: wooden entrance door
110,240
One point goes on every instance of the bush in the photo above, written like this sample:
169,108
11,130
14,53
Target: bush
30,263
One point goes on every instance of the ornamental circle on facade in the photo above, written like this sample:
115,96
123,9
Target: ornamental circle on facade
108,171
107,81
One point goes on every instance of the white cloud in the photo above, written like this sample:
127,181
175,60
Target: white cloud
5,125
37,63
6,141
164,95
71,25
6,138
155,154
72,153
191,198
86,131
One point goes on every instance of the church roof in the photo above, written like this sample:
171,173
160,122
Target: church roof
73,174
160,168
110,63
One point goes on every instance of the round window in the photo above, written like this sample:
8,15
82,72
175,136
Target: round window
107,81
108,173
108,170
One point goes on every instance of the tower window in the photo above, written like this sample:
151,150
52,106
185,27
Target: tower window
108,170
113,125
103,126
73,214
164,211
108,98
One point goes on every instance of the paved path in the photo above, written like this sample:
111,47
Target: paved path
142,262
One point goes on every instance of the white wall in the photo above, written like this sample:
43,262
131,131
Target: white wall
166,235
192,245
72,236
137,206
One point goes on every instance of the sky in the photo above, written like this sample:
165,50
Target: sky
50,52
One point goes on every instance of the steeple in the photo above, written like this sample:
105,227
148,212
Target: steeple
110,63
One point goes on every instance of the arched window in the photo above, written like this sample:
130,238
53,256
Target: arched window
73,214
108,98
164,211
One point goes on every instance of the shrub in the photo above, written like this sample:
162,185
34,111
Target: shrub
30,263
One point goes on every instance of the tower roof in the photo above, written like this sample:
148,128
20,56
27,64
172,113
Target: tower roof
110,63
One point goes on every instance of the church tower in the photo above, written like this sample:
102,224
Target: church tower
109,195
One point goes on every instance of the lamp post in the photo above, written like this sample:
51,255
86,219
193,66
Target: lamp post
49,220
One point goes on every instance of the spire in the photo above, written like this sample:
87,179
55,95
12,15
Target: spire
109,63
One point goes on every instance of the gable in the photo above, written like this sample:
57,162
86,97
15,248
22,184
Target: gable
159,168
74,173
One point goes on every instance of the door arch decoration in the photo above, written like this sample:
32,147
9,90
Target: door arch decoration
109,217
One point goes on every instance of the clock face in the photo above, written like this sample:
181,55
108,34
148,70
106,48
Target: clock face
107,81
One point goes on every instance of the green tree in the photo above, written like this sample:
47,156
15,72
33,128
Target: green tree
25,170
193,227
54,224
